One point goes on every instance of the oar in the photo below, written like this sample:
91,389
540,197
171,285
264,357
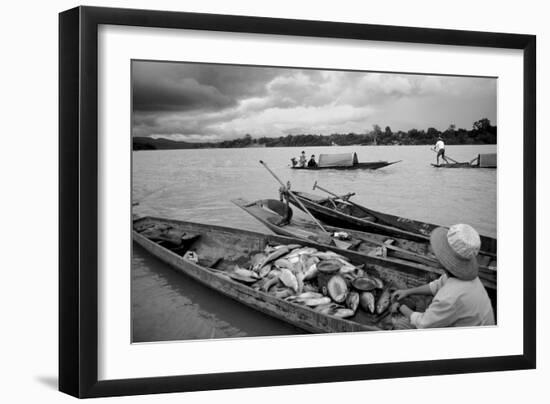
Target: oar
343,197
295,198
454,161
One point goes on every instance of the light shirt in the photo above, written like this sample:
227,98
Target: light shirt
456,303
439,145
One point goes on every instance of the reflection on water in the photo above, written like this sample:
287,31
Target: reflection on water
197,185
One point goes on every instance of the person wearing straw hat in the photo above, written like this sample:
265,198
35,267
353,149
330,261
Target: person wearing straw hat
460,299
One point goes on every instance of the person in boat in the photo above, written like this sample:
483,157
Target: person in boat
312,163
303,159
460,299
284,197
294,161
440,149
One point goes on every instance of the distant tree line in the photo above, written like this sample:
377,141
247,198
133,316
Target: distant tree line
482,132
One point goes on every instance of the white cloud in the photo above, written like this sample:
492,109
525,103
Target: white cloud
276,102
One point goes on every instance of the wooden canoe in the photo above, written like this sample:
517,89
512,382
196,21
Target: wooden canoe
484,160
271,212
220,248
367,165
345,214
455,165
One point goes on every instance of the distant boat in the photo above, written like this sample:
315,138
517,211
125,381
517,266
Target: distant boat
344,161
487,160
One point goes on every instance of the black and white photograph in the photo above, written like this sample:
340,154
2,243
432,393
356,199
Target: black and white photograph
272,201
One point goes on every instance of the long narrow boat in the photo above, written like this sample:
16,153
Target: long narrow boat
343,161
487,160
272,214
221,248
341,213
366,165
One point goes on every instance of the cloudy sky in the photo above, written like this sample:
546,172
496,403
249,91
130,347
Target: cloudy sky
207,102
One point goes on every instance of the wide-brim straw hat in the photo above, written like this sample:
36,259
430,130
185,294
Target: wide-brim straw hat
460,258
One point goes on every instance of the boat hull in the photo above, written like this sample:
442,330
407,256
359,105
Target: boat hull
377,222
375,165
459,165
234,244
415,254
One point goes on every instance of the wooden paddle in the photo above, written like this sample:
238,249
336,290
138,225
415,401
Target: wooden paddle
342,197
453,160
297,200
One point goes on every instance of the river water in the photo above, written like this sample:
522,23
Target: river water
198,185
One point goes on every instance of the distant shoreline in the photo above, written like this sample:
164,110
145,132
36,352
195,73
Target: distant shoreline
304,146
482,132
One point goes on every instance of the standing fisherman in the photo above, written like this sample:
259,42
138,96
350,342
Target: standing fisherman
460,299
440,149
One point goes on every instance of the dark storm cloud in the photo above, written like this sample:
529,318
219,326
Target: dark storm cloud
162,86
214,102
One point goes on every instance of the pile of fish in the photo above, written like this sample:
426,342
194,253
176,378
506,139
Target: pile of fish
323,280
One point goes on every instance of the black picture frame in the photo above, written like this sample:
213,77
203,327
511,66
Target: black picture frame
78,200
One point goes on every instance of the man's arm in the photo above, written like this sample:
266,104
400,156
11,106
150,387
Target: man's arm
419,290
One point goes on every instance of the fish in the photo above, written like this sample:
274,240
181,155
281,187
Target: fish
366,300
257,259
311,272
327,308
305,296
283,263
278,253
274,273
242,278
349,277
264,271
364,283
329,266
288,279
337,288
352,301
293,259
343,313
312,260
256,285
308,287
309,295
313,302
346,269
245,272
269,283
282,293
379,283
307,251
383,301
298,267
